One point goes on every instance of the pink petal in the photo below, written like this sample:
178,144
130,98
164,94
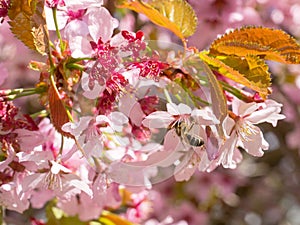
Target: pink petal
187,168
241,108
29,139
204,117
76,28
180,109
88,93
158,119
3,72
228,124
270,113
136,114
77,128
82,4
40,198
56,168
62,18
35,159
118,120
131,108
33,181
81,185
212,144
227,152
10,157
256,143
101,23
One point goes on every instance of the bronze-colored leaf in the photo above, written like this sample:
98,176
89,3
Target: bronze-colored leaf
176,15
250,71
266,43
28,24
58,112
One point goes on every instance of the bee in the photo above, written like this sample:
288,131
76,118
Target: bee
183,129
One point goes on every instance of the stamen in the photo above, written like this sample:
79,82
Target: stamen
53,182
245,130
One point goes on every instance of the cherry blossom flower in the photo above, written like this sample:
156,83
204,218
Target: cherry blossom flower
91,92
163,119
59,179
77,30
186,156
81,22
132,109
181,113
15,128
13,196
129,136
88,207
54,3
140,207
243,133
89,132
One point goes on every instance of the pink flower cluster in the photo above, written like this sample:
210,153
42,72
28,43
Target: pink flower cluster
133,124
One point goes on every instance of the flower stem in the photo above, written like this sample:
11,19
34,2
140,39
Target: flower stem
42,113
74,66
54,10
12,94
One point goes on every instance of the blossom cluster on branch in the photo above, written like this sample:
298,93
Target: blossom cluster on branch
120,113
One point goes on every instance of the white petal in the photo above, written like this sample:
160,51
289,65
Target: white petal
187,167
180,109
82,4
268,114
81,186
256,144
77,128
61,15
158,119
56,168
205,117
88,93
101,23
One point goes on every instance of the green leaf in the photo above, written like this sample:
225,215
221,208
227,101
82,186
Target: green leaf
176,15
219,103
28,24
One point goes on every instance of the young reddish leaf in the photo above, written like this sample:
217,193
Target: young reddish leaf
58,112
250,71
28,24
266,43
176,15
